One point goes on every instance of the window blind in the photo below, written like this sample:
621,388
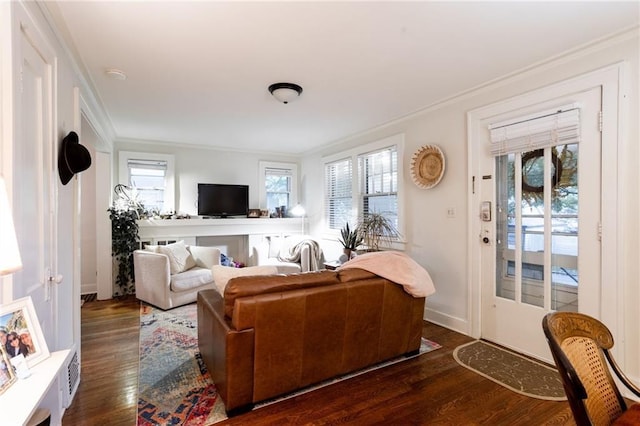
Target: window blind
270,171
338,193
546,129
378,171
147,164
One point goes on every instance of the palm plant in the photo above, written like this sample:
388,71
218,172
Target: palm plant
376,229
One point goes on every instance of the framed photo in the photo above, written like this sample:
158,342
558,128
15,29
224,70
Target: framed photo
20,331
7,376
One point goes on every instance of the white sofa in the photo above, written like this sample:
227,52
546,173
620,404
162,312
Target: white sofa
272,248
167,276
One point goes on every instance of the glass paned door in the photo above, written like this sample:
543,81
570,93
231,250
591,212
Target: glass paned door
542,239
537,227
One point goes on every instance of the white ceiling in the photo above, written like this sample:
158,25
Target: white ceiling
198,72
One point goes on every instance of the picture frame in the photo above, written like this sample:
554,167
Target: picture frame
19,319
7,375
253,213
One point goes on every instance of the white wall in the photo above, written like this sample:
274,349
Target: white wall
440,243
66,113
195,165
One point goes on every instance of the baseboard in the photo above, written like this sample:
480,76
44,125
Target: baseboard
447,321
88,288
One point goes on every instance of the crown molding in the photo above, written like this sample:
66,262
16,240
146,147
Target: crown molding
580,51
181,146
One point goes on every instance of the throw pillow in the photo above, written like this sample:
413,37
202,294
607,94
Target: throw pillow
180,258
151,248
222,274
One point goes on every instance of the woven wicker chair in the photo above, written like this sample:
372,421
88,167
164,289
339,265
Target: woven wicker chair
580,347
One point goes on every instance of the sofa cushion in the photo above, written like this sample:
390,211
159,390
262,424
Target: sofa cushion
205,257
250,286
281,245
180,258
275,243
193,278
222,274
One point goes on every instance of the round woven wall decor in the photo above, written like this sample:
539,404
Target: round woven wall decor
427,166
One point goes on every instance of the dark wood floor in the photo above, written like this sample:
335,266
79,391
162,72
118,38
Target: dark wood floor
431,389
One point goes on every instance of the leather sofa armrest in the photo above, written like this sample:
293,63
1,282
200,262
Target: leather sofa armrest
227,353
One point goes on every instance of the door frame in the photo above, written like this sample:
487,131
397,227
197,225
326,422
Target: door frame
609,78
102,163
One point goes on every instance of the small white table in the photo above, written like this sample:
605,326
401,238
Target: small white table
20,401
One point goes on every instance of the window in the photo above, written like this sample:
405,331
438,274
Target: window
146,177
378,172
537,194
376,181
152,178
338,194
278,185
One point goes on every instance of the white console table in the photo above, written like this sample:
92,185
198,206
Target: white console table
20,401
238,234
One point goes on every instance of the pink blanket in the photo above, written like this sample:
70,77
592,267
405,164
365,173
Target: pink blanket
397,267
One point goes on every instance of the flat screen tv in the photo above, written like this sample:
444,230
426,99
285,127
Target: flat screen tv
220,200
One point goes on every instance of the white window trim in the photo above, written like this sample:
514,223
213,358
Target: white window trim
262,167
353,153
170,186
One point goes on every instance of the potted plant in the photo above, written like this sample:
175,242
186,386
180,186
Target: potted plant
124,213
350,239
377,229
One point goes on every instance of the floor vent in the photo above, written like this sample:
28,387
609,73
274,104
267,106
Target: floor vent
73,378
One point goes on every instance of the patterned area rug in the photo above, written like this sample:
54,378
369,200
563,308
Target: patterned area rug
174,387
515,372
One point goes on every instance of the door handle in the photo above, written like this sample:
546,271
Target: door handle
57,279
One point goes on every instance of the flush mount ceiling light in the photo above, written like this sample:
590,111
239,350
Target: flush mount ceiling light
285,92
115,74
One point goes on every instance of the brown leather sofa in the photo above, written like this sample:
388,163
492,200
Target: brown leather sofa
271,335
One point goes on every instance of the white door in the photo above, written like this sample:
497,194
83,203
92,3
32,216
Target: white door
540,229
34,183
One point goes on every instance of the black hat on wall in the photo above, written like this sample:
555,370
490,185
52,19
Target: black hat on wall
73,158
